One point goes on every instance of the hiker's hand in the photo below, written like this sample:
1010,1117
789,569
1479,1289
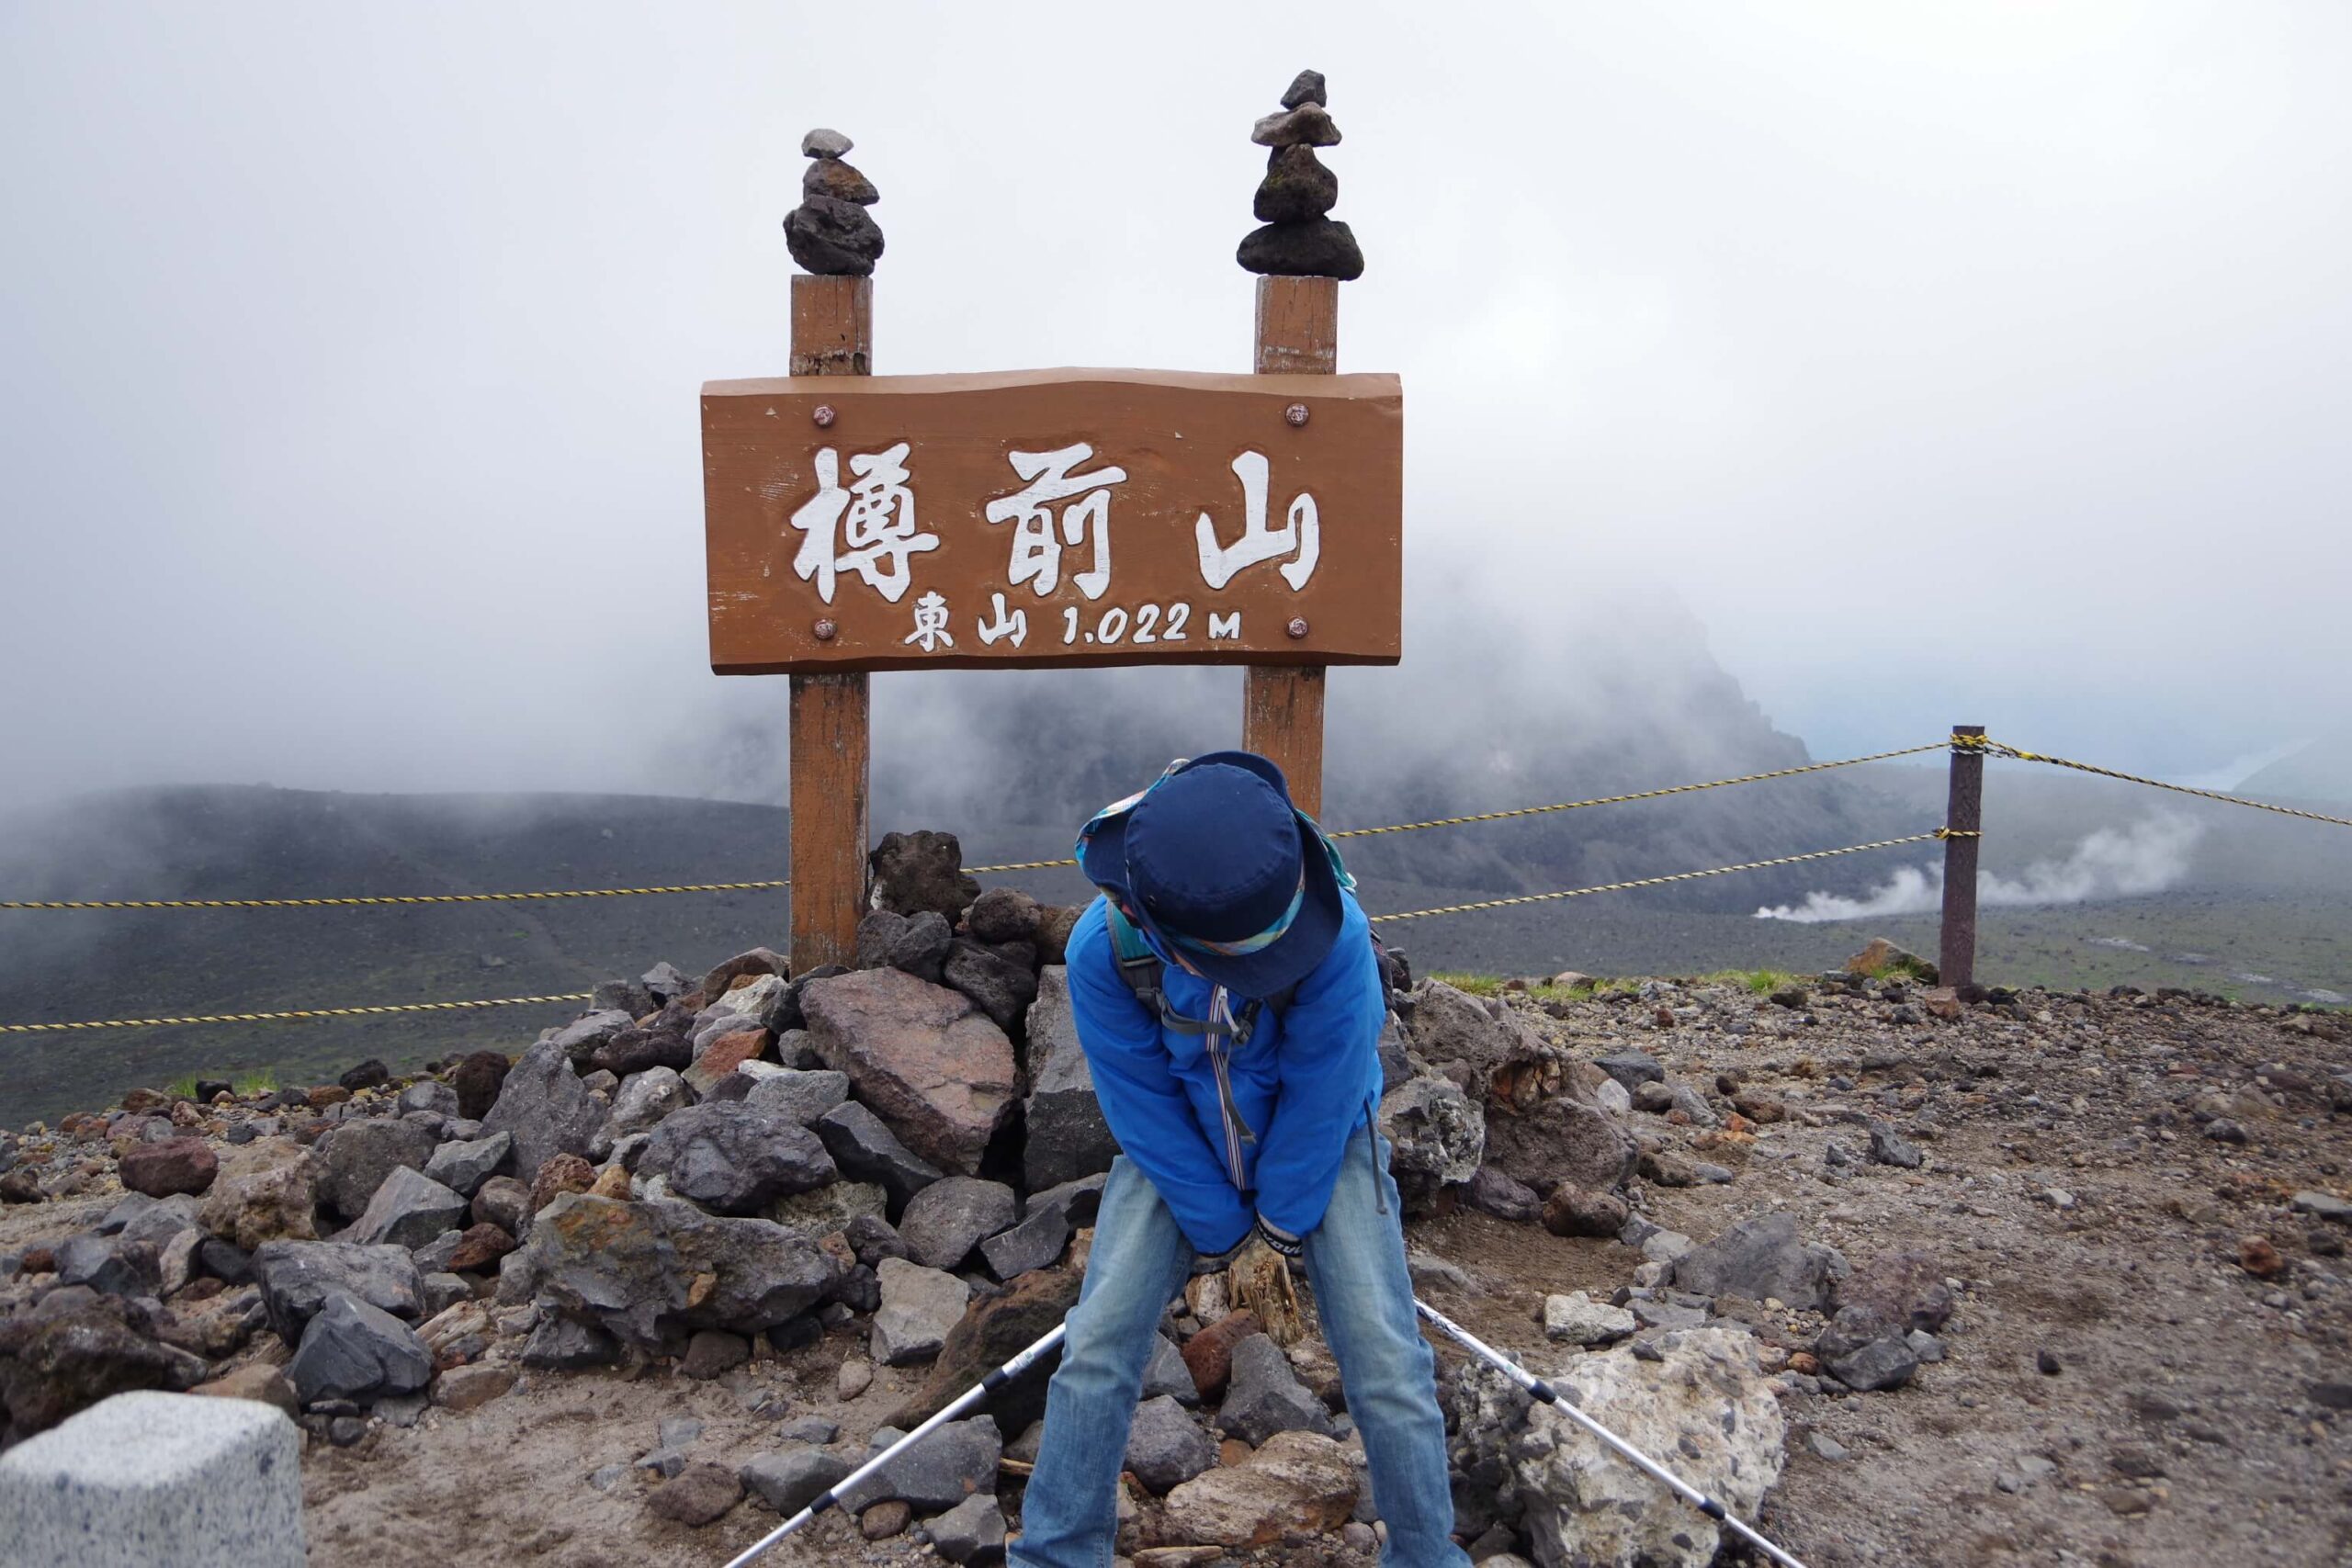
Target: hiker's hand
1260,1283
1217,1263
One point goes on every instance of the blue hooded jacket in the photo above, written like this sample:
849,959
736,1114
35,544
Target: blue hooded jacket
1306,1081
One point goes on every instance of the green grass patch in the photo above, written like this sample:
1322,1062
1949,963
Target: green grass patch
1495,986
1762,982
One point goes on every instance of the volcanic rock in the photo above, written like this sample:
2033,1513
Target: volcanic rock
1562,1142
956,1461
944,1220
1319,248
109,1265
1437,1135
919,1306
477,1080
755,962
937,1072
173,1165
990,1335
353,1350
1035,1243
866,1150
409,1209
1761,1258
800,1097
546,1107
265,1191
1298,1484
696,1495
1297,188
971,1531
792,1478
79,1358
1065,1136
1209,1354
735,1158
296,1277
1265,1395
916,943
356,1158
463,1164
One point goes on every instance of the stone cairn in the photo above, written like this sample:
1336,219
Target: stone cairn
831,232
1298,239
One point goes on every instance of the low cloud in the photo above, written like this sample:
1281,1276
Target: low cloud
2149,856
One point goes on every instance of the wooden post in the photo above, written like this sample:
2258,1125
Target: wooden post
1281,713
832,749
1964,815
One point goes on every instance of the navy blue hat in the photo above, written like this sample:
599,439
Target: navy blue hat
1238,885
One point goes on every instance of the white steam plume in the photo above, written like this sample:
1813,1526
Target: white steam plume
2146,857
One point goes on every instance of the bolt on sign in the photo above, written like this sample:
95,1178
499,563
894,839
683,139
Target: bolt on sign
1053,517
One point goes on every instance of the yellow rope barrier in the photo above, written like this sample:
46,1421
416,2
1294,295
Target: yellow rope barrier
1657,881
977,870
2001,748
295,1012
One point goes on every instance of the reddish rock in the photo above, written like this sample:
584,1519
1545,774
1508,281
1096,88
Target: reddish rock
480,1247
138,1102
173,1165
38,1260
325,1095
724,1054
477,1080
560,1175
1572,1210
923,1057
884,1520
697,1495
743,968
470,1388
258,1380
1208,1355
2259,1259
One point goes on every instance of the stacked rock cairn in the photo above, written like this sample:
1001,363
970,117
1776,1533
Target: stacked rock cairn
831,232
1298,239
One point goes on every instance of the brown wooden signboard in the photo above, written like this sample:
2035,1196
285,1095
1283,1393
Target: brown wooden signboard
1053,517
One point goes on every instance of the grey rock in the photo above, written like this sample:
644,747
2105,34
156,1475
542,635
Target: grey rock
1631,1068
132,1206
667,982
546,1107
1166,1446
583,1038
1035,1243
1307,87
834,238
917,943
1167,1375
1884,1362
463,1164
864,1149
919,1306
824,143
431,1096
873,1239
637,1269
1437,1135
408,1210
353,1350
735,1158
1506,1197
622,996
971,1531
506,1203
1759,1258
1578,1319
1321,247
161,1221
997,986
296,1277
1265,1397
799,1097
760,1005
792,1478
944,1220
1078,1199
438,1291
1297,189
566,1345
956,1461
353,1160
752,961
109,1265
1562,1142
1308,124
644,1098
1890,1147
833,1207
1067,1138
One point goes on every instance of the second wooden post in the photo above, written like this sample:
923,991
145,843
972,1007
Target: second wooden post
1282,715
1964,822
832,334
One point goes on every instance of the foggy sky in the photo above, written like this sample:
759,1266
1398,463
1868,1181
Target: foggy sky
1976,362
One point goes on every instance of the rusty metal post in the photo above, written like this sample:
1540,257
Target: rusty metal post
832,334
1282,712
1964,819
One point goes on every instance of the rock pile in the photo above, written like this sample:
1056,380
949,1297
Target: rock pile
1300,239
831,232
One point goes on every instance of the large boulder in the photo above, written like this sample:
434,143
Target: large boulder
921,1055
1298,1484
1764,1259
948,1218
650,1273
67,1363
735,1156
1166,1446
991,1333
547,1108
463,1164
799,1097
914,871
1266,1398
1561,1142
1504,1054
1700,1399
919,1306
1065,1135
267,1192
296,1277
919,945
409,1209
356,1158
353,1350
866,1150
1437,1135
958,1460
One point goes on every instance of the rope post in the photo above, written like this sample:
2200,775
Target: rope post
832,334
1282,712
1964,818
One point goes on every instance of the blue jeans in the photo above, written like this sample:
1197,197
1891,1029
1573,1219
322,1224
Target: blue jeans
1355,1261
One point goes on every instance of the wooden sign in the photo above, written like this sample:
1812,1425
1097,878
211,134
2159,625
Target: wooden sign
1053,517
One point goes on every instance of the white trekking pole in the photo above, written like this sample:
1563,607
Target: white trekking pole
1565,1402
963,1402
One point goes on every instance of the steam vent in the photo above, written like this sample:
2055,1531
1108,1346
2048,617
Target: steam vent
1299,239
831,232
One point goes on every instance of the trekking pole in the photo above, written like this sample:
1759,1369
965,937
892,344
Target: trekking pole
1565,1404
963,1402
